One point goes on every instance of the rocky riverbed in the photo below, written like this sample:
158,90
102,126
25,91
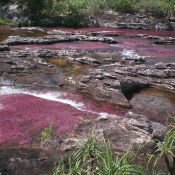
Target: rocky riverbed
115,81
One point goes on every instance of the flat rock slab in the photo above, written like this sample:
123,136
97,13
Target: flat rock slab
15,40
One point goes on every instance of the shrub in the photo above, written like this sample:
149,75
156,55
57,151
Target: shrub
92,5
159,8
75,14
123,6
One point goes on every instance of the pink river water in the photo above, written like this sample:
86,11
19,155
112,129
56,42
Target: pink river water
139,46
24,114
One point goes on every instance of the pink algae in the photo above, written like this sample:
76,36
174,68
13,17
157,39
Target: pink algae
95,106
146,48
103,30
67,45
23,115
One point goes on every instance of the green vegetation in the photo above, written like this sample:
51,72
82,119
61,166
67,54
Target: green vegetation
75,11
7,22
167,149
94,157
47,132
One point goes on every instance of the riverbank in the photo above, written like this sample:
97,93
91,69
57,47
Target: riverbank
121,14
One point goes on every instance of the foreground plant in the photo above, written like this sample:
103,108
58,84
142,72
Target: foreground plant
167,149
47,132
94,157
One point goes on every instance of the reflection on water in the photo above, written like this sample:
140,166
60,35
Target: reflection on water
60,62
66,45
156,103
5,32
69,67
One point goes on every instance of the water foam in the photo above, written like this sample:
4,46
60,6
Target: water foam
57,96
130,53
53,96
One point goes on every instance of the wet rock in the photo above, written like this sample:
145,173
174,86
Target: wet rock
17,40
158,130
103,117
4,48
108,79
165,40
136,59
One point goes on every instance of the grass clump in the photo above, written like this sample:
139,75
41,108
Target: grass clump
167,149
94,157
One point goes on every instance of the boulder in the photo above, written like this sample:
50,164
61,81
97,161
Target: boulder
133,130
14,12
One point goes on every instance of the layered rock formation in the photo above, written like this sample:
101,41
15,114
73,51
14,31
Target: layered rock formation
105,75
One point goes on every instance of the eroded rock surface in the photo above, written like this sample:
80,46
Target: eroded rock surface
17,40
105,75
108,79
133,129
138,21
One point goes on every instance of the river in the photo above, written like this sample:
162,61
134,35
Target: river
18,106
26,111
